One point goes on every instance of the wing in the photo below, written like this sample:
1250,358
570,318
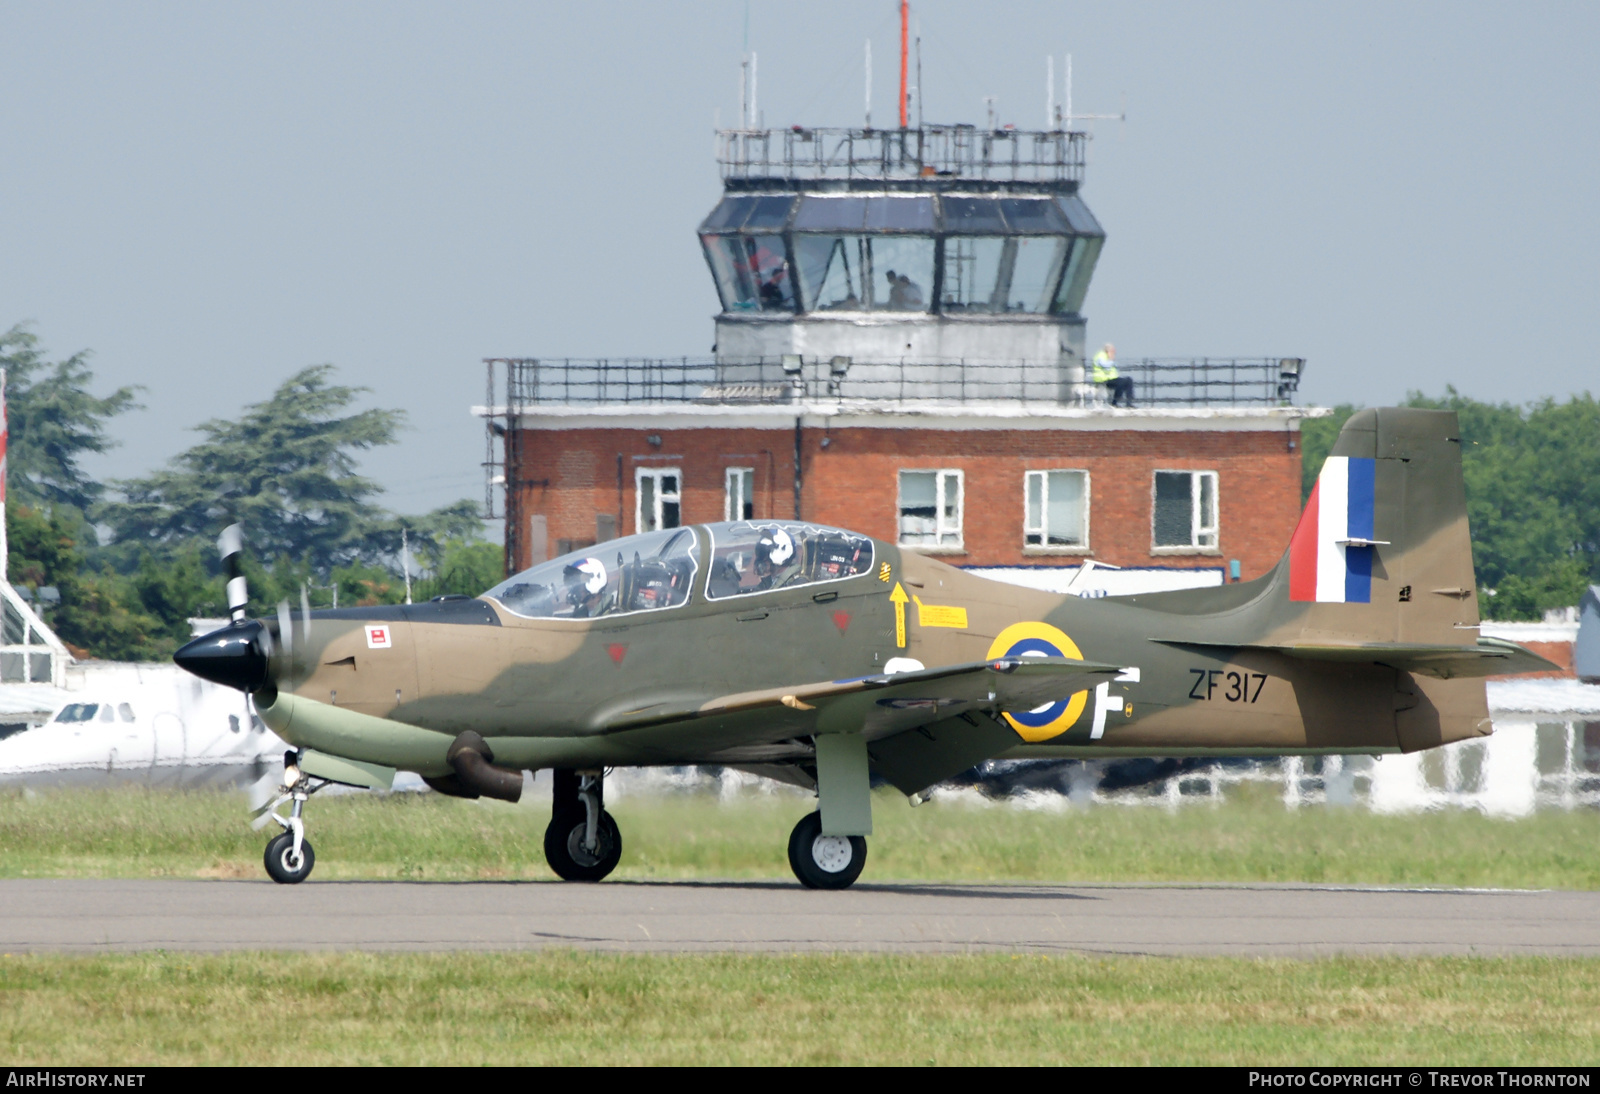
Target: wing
918,724
897,702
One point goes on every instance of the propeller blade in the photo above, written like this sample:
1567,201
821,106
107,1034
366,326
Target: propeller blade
305,615
261,816
230,545
286,633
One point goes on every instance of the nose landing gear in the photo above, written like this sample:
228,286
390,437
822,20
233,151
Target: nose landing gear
582,842
289,856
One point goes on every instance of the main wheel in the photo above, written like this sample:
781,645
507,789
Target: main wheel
825,862
282,865
564,850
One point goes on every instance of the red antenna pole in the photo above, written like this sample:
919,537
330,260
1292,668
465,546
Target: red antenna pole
905,24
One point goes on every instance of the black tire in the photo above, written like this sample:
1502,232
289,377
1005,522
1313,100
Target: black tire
821,862
563,847
279,860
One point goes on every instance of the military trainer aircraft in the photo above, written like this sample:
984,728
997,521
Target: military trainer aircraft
822,657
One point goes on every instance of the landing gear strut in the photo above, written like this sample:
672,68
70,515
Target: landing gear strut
825,862
582,842
289,856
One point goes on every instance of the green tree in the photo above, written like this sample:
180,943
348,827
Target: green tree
285,470
464,568
1533,495
101,614
53,423
1316,441
1533,485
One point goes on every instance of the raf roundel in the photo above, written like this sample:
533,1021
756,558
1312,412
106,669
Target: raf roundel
1041,640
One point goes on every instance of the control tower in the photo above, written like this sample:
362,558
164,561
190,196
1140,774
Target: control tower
913,248
900,351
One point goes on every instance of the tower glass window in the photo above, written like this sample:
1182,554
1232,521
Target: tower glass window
1185,511
821,252
864,272
1075,282
752,272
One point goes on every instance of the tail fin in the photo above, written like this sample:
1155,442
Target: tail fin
1382,552
1379,572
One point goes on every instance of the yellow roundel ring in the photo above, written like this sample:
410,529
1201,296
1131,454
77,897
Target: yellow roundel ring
1041,640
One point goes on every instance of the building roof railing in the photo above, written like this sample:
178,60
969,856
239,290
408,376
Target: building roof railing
1198,382
929,152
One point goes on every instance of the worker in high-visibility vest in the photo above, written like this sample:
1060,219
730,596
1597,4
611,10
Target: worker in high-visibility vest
1103,370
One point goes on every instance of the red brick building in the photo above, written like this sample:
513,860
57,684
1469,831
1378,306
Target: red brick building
901,351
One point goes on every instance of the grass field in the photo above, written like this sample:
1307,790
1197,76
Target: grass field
566,1008
139,833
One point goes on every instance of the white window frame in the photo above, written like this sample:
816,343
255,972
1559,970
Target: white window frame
656,474
1044,546
738,489
942,526
1197,531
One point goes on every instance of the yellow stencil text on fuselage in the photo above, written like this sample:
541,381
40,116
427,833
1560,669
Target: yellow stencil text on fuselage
940,615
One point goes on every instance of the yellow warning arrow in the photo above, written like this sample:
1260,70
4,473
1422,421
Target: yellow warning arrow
898,595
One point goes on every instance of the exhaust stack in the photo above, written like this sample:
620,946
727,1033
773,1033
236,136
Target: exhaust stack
473,763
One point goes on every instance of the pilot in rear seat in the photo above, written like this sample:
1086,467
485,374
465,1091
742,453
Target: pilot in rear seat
777,561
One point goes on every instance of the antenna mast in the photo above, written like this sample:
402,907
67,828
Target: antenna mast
1050,119
1069,90
905,35
869,83
919,74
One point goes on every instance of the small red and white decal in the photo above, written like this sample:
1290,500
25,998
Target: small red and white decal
379,637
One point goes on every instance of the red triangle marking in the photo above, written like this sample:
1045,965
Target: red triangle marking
842,621
617,651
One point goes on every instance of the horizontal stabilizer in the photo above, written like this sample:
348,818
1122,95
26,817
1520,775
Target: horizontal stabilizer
1490,657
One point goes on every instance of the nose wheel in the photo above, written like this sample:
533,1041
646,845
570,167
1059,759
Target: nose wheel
287,864
582,842
825,862
289,856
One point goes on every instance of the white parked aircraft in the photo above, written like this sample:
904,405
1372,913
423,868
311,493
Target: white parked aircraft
150,724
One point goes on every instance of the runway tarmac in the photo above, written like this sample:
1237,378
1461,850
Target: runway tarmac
684,916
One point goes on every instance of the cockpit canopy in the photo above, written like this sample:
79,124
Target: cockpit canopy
759,556
633,574
657,570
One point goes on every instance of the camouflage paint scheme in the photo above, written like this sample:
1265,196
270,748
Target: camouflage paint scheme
752,681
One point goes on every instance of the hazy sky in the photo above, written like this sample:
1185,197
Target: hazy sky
212,196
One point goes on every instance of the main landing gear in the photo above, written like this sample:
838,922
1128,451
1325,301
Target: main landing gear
289,856
582,842
825,862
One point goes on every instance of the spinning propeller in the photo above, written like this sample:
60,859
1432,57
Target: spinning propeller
240,654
